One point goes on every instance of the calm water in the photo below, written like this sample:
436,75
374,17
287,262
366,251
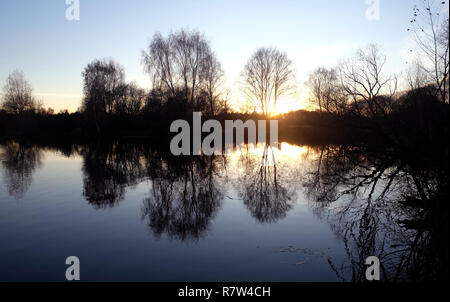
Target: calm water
132,212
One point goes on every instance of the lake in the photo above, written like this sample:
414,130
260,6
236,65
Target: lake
133,212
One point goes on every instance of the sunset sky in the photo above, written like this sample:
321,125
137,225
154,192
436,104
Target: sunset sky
52,51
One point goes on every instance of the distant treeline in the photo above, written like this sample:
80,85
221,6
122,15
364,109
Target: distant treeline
418,117
145,125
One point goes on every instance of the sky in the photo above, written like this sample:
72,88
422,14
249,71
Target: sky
36,37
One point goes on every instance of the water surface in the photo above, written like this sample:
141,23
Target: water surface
133,212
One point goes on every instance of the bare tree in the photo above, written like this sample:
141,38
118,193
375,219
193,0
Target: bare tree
158,62
101,82
130,99
430,27
417,76
326,90
212,79
363,79
267,76
18,94
182,62
136,98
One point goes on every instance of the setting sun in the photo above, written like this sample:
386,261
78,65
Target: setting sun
289,104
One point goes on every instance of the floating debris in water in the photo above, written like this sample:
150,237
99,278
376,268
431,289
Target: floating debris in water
293,249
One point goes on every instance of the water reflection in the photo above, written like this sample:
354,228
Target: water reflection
185,194
263,187
19,161
384,202
108,169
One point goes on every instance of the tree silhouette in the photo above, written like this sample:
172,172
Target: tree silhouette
327,93
183,63
18,94
430,27
267,76
102,81
366,84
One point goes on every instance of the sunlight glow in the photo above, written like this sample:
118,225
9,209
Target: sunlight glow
287,105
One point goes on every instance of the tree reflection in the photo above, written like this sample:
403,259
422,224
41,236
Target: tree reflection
108,169
262,187
185,192
19,161
184,196
384,203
